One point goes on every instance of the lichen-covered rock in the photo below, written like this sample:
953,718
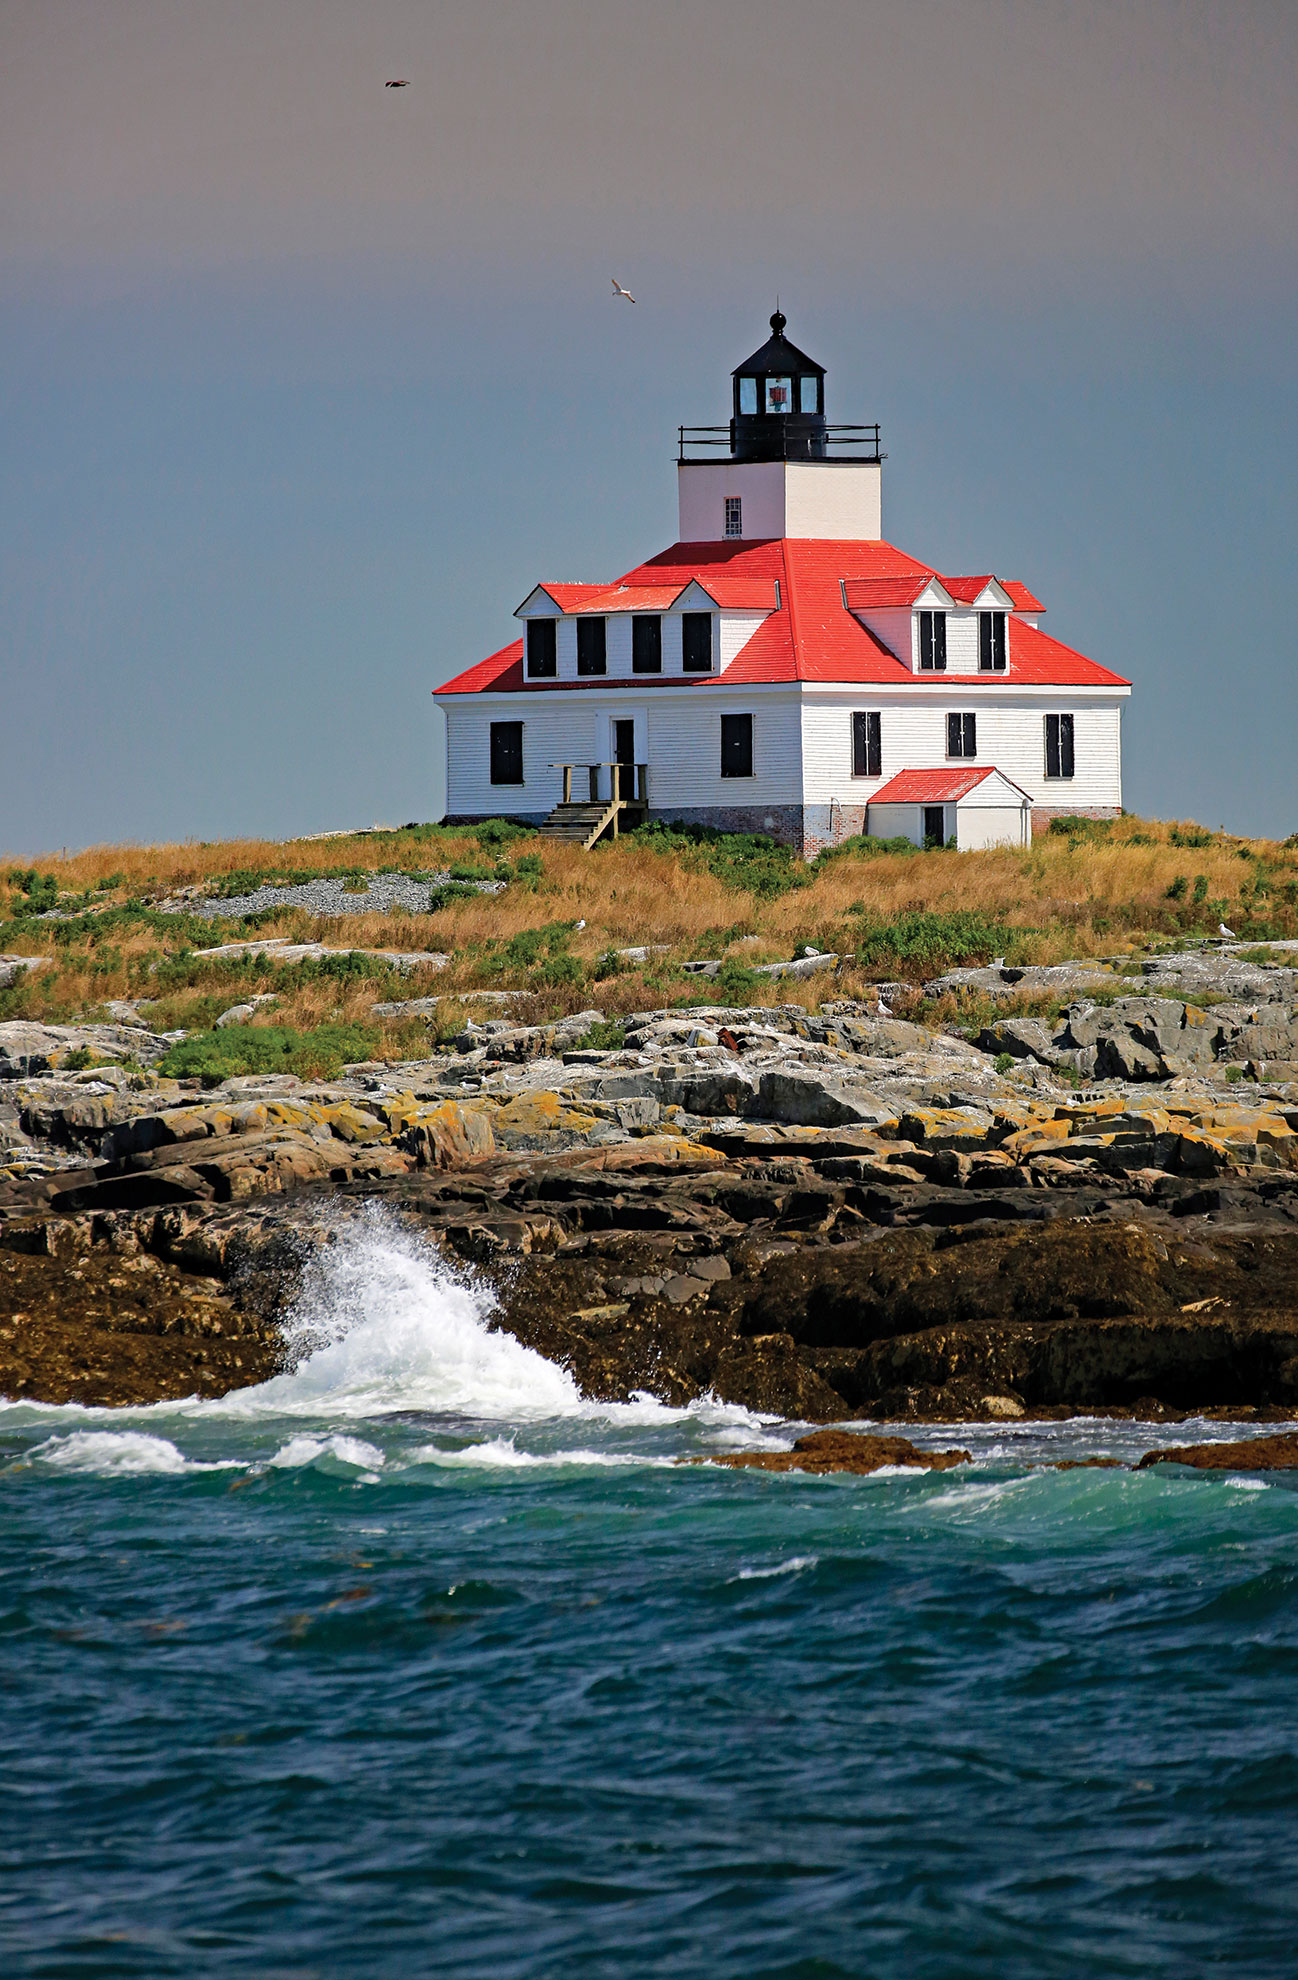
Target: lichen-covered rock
823,1451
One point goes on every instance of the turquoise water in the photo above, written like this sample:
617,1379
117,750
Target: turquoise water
411,1663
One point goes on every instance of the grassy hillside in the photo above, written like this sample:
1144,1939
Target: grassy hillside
1083,889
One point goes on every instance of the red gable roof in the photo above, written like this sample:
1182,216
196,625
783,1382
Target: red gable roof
1022,597
813,636
932,786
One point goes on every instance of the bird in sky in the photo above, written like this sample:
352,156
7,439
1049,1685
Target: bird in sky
398,82
1227,934
618,290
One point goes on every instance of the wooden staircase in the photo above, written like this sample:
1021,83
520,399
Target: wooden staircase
585,821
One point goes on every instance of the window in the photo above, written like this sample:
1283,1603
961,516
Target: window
867,744
961,735
1059,745
646,644
932,642
734,515
991,642
736,745
696,642
779,395
507,751
808,393
748,395
590,646
542,649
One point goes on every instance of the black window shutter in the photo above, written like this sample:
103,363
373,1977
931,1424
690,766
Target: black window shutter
971,735
542,649
998,648
696,642
954,739
874,753
646,644
939,642
507,752
591,646
925,640
1065,745
985,642
860,745
1052,745
736,745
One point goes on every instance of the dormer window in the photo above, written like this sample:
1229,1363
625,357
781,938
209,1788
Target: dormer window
542,649
932,642
991,642
646,643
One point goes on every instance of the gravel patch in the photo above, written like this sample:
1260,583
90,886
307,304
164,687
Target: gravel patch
387,893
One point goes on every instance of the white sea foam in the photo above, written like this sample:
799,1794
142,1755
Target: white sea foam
328,1452
381,1323
120,1453
501,1453
794,1565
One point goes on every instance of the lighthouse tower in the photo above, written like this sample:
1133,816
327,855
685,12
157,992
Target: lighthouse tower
786,471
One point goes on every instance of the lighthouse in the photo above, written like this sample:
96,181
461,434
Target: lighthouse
782,668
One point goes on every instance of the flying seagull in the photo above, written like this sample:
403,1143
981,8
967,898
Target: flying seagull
399,82
618,290
1227,934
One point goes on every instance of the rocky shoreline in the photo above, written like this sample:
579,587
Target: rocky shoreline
826,1214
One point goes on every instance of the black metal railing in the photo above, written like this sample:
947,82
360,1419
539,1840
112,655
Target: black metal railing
853,443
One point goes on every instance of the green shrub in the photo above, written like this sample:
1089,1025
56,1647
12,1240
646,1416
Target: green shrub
1004,1062
605,1035
1193,835
861,846
1073,826
1177,890
524,950
321,1053
561,970
1200,893
453,890
527,869
924,942
499,831
751,860
608,963
735,983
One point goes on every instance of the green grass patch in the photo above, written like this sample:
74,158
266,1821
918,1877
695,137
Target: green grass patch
751,860
605,1035
239,1049
922,943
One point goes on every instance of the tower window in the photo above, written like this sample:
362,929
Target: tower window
961,735
591,646
507,752
748,395
646,644
932,642
867,743
734,515
779,395
991,642
542,649
736,745
1059,745
808,393
696,642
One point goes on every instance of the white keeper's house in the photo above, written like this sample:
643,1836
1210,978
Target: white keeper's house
782,668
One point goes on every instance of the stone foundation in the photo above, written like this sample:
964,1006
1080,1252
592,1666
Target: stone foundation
807,828
1043,813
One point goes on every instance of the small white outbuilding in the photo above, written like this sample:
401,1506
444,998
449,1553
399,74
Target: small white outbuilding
976,808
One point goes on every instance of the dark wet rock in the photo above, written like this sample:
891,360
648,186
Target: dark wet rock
844,1450
1252,1454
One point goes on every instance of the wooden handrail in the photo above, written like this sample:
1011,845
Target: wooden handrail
640,773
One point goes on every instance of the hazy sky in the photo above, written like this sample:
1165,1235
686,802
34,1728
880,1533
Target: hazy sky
305,382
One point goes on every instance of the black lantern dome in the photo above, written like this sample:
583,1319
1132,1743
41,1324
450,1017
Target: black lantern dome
779,403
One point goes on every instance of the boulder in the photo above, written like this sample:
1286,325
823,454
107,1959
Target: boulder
844,1450
1022,1038
1278,1453
449,1136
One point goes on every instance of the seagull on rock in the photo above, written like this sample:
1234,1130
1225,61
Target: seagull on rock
1227,934
885,1008
577,926
619,291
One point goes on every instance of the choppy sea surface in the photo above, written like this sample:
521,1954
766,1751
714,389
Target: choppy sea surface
411,1662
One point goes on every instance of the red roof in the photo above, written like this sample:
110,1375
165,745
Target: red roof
878,594
1022,597
934,786
813,636
965,589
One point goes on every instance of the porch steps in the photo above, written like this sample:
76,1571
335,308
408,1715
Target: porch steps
582,824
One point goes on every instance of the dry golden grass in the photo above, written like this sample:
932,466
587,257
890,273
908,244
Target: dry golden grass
1069,897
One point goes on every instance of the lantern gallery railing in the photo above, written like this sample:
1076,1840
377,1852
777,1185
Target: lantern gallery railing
853,443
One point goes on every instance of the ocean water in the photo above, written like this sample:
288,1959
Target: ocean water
411,1662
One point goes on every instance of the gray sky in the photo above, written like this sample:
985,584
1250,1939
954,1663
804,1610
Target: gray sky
308,381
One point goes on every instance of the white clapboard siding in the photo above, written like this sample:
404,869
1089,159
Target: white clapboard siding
898,632
685,750
1010,735
554,731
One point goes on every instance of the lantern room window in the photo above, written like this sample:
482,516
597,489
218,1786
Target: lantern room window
748,395
779,395
809,393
